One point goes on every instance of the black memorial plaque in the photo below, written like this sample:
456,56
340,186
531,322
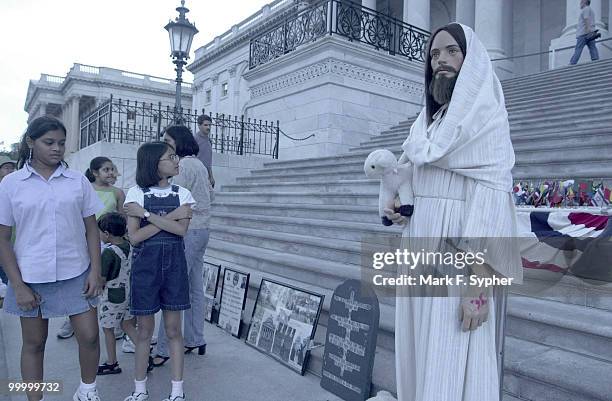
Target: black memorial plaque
350,345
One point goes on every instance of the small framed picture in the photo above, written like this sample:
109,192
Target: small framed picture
284,322
233,299
211,281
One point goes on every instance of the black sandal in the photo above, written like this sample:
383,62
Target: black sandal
109,369
163,358
201,349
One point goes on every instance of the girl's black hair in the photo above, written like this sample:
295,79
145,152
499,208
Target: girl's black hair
184,141
113,223
147,163
94,165
37,128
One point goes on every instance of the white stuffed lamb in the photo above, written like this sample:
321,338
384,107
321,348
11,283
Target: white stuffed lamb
395,179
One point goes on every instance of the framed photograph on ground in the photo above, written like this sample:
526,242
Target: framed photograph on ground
283,323
233,299
211,281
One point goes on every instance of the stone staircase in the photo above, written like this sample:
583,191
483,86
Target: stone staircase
301,221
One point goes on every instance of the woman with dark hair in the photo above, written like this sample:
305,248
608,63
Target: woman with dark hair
54,266
193,176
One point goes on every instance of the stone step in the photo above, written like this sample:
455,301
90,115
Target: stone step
560,134
339,167
592,96
339,250
584,169
567,142
567,72
568,139
320,275
543,373
326,160
360,214
291,198
560,152
303,177
515,133
565,289
571,78
350,231
564,153
342,186
579,329
560,88
601,113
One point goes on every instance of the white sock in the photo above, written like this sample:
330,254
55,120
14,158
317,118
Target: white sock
177,389
86,388
140,386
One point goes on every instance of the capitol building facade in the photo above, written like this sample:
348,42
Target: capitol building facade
338,72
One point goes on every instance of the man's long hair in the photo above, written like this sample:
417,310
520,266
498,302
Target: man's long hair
456,31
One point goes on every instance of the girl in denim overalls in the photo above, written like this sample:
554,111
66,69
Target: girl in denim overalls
159,277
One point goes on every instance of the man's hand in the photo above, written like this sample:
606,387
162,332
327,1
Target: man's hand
474,309
396,218
212,181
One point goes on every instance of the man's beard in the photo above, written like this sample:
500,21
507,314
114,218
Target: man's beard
441,88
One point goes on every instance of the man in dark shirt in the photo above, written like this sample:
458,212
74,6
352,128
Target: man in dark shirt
203,139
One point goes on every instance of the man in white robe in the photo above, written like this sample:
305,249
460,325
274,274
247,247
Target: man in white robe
460,147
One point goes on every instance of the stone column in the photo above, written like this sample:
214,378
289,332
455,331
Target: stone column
609,16
488,24
73,125
369,4
488,20
416,12
464,12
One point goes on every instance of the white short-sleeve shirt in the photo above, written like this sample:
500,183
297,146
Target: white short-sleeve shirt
136,195
50,243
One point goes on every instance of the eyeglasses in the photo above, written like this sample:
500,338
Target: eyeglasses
172,158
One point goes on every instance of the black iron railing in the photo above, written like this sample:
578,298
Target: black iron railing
342,18
134,122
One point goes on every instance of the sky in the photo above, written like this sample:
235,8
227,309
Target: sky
43,36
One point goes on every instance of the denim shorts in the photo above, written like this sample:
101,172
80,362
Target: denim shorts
58,299
159,278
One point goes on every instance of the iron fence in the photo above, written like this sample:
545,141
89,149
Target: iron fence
342,18
134,122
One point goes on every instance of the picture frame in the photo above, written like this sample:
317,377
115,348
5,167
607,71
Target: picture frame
284,322
211,282
234,289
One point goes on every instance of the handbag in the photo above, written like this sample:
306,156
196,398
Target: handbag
593,35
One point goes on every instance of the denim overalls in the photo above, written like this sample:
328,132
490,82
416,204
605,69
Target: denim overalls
159,278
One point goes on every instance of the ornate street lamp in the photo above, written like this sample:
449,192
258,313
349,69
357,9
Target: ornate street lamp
181,33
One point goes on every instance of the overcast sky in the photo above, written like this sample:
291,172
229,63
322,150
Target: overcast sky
43,36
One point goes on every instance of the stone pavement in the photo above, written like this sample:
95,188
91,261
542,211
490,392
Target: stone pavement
230,370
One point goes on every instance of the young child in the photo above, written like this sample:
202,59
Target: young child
114,302
54,266
102,175
158,220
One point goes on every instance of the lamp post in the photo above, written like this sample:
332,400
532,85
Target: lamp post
181,33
